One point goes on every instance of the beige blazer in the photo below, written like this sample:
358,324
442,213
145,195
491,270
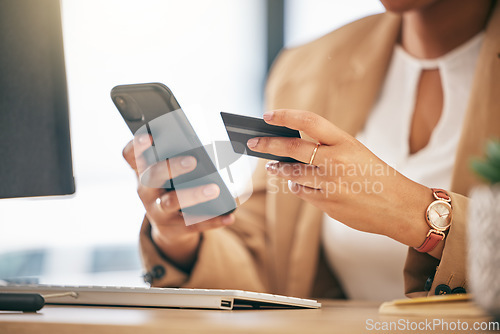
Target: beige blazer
274,245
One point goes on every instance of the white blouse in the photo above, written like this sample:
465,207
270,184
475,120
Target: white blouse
370,266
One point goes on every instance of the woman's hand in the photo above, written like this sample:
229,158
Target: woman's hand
345,179
177,241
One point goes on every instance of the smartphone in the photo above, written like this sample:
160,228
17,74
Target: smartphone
151,108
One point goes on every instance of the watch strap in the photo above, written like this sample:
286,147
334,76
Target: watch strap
441,194
431,241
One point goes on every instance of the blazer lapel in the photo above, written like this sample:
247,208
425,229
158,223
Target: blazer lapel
356,76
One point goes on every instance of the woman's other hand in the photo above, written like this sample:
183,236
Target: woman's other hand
345,179
169,232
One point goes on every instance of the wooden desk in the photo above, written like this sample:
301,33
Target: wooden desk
334,317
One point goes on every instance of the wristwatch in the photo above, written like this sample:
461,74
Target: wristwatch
438,216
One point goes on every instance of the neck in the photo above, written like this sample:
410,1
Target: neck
432,31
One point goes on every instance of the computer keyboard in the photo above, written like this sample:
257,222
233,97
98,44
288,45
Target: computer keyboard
159,297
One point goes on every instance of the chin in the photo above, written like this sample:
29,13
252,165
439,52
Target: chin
401,6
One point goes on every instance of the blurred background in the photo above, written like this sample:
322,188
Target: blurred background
214,55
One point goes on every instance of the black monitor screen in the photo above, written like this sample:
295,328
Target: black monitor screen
35,150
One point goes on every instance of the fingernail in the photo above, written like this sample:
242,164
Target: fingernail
272,167
188,162
165,200
210,190
228,219
268,116
143,139
292,186
252,142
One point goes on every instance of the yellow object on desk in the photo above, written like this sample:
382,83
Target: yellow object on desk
444,305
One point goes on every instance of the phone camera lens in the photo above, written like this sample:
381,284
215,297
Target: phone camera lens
120,101
128,107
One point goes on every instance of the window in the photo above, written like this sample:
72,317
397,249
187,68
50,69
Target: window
26,264
107,258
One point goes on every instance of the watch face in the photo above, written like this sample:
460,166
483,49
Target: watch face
439,215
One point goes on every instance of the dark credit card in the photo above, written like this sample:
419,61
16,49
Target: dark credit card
241,128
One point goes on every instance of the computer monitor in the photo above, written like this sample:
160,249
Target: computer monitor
35,149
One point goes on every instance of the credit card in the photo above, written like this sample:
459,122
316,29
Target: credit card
241,128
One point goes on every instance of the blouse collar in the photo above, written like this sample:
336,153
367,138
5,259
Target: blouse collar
468,48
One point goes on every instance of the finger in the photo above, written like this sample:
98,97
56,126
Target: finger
128,154
308,122
173,201
306,193
323,199
297,148
159,173
306,175
176,225
149,195
135,148
142,144
212,223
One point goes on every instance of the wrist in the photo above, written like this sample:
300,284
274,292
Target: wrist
181,250
419,228
415,230
411,203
